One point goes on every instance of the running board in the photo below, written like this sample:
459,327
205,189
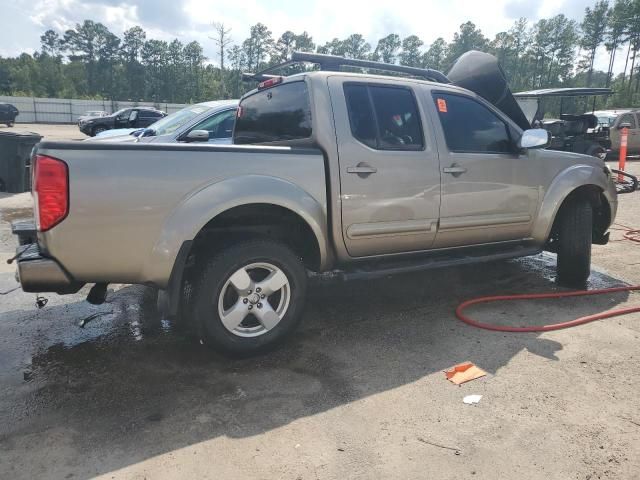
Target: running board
383,268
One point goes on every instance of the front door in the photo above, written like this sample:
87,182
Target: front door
122,120
389,173
489,189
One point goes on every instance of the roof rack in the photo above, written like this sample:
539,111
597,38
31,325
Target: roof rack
332,63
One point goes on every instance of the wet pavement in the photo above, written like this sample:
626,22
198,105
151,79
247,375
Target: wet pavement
80,402
357,392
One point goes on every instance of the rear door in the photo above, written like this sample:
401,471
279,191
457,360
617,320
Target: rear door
489,189
389,173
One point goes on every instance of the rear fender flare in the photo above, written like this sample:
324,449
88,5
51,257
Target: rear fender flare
196,210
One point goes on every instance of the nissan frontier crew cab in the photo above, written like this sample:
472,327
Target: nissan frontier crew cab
351,173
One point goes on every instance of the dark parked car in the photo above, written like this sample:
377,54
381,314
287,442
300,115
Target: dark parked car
136,117
8,114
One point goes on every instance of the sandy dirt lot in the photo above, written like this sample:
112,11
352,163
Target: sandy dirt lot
357,393
50,132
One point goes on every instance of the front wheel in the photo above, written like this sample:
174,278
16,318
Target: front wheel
574,242
97,130
249,297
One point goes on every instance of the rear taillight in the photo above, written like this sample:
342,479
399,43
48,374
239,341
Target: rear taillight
50,191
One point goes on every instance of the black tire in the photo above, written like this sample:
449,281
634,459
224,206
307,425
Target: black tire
210,282
574,242
97,130
597,151
10,124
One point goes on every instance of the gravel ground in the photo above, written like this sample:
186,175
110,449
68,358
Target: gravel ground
357,393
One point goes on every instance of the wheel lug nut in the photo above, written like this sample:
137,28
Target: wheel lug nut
249,292
246,300
250,307
258,289
259,305
262,296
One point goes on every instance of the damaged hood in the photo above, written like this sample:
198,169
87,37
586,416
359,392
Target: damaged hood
481,73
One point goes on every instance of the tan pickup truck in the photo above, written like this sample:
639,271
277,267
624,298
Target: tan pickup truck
356,174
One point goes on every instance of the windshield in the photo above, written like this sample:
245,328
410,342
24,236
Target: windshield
607,121
171,123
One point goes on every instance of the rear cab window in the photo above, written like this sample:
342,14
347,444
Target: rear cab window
279,115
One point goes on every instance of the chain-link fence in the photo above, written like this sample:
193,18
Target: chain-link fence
64,110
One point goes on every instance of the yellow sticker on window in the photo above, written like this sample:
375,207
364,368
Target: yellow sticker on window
442,105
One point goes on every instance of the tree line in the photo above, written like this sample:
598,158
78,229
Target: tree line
90,61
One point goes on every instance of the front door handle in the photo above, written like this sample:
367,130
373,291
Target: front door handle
362,169
454,170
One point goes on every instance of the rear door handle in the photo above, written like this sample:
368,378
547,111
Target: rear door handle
454,170
362,168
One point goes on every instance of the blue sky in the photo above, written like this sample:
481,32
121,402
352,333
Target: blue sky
23,21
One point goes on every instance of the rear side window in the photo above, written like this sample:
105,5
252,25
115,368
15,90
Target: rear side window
277,114
628,118
470,127
384,118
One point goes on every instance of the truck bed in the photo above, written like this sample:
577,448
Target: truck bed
128,202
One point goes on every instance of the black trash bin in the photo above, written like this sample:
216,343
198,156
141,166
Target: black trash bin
15,160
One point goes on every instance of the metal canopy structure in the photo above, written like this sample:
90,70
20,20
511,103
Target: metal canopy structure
334,63
564,92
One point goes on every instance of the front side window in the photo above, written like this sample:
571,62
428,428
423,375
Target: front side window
470,127
219,125
276,114
384,118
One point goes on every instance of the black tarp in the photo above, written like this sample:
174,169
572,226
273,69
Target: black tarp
481,73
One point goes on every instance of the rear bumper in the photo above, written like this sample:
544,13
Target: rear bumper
37,273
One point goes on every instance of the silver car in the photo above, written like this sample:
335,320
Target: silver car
210,122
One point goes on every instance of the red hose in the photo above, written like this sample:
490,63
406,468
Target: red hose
536,296
630,234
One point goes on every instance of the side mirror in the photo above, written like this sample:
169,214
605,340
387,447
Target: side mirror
534,138
197,136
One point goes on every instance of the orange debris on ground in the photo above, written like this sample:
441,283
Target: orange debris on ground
464,372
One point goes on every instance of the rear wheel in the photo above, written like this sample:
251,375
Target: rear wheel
597,151
10,124
574,242
249,297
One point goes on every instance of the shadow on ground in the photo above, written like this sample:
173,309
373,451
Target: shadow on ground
128,379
